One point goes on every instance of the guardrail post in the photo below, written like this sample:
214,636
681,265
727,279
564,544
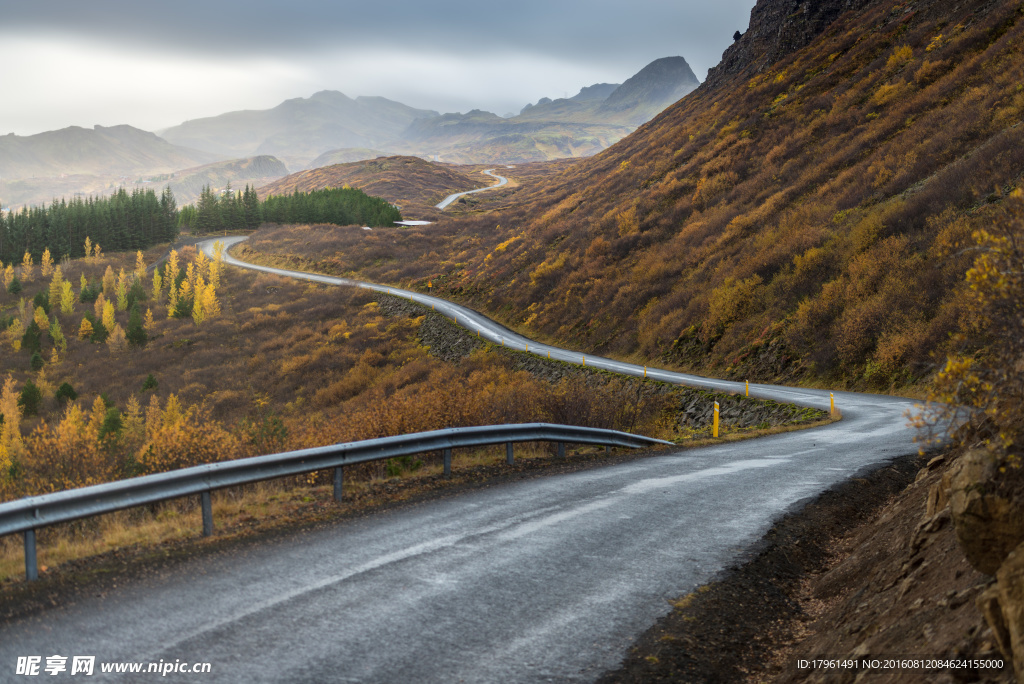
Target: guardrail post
31,566
447,462
508,454
339,477
607,449
204,499
561,450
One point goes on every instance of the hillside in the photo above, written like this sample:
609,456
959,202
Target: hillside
800,219
300,129
345,155
188,183
410,182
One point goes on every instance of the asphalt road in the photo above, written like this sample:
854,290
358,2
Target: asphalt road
443,204
548,579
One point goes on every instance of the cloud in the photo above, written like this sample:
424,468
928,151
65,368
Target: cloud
153,65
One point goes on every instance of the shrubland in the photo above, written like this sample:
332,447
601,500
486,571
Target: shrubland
805,221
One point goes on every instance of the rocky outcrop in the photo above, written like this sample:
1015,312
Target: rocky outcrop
989,521
777,28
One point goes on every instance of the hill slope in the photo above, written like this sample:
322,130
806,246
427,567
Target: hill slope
410,182
188,183
801,217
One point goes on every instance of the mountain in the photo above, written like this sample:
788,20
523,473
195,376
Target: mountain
256,171
300,129
114,150
582,125
807,213
412,183
656,86
344,155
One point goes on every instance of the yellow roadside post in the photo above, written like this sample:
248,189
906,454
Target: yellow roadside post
715,429
832,401
748,388
645,371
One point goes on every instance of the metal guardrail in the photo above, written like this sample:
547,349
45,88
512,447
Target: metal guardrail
31,513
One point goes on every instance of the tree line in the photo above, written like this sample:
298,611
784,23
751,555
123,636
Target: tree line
127,221
236,211
123,221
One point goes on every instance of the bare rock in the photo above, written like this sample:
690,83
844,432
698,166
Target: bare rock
989,525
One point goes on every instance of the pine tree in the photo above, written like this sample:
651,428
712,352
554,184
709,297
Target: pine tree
46,263
121,289
26,267
117,342
136,334
98,305
109,282
108,316
15,333
88,249
158,286
140,266
85,330
67,298
57,335
56,287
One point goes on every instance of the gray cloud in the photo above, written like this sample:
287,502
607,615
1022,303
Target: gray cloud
536,48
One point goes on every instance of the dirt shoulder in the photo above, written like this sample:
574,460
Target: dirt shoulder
860,572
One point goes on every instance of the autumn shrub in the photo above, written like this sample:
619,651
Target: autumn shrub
979,393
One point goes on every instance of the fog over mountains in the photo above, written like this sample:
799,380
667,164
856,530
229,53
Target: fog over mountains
326,128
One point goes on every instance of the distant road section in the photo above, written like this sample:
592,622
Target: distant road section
451,198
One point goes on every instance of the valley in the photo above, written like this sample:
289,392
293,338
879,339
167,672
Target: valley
830,223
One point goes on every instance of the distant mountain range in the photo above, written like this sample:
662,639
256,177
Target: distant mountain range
117,150
301,128
258,146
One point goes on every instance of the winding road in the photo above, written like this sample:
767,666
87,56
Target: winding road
548,579
443,204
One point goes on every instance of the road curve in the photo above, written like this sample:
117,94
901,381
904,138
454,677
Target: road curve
548,579
443,204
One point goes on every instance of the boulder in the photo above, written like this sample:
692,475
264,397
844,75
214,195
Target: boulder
989,524
1002,604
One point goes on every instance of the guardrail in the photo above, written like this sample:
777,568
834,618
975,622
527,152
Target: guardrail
31,513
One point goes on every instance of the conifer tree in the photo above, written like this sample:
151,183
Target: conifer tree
140,266
26,267
117,342
98,305
121,290
56,286
46,263
136,334
158,286
108,316
88,249
8,276
85,330
109,282
67,298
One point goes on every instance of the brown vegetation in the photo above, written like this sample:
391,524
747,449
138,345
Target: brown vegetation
818,207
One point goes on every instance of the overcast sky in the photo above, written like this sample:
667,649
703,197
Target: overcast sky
154,65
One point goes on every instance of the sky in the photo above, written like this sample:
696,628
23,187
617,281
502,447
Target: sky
154,65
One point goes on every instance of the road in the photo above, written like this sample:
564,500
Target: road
548,579
443,204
